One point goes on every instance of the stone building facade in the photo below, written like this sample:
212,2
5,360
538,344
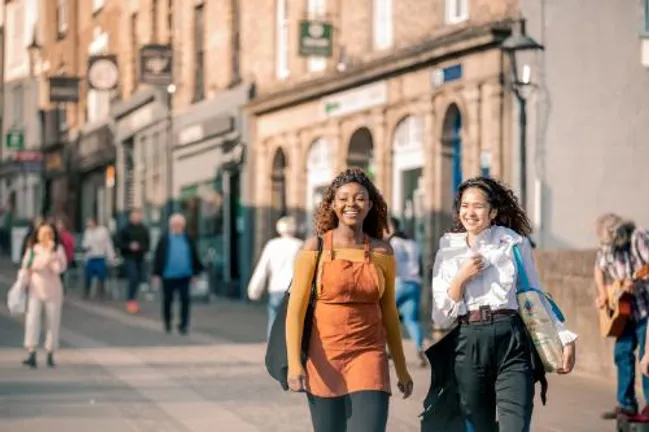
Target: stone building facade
420,106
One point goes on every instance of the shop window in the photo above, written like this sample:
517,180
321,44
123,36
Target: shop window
281,44
382,24
203,207
457,11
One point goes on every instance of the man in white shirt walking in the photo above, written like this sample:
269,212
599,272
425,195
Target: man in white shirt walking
276,267
98,253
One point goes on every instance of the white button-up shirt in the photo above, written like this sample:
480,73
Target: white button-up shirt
494,286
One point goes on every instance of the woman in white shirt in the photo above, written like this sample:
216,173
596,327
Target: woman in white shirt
474,285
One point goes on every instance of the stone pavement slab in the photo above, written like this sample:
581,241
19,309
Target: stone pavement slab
121,372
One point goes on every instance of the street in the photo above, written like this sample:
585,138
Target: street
119,372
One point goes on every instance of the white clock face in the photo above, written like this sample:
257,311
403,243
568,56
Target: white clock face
103,75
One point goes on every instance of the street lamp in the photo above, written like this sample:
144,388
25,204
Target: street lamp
171,89
521,74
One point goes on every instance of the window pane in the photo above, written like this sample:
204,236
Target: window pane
382,17
281,65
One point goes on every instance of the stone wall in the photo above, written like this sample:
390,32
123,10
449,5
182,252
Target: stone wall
568,276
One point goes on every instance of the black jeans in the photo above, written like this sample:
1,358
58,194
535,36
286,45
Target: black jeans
169,289
493,369
363,411
135,274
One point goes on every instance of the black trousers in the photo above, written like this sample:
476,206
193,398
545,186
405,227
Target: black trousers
169,289
363,411
493,368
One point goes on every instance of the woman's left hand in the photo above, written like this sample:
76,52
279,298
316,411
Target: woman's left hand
405,386
568,363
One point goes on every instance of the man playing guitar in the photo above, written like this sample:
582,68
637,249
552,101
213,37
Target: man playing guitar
624,251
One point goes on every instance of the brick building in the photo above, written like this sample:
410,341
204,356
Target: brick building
77,141
411,91
180,144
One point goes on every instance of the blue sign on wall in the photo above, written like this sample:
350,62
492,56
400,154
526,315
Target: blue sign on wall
452,73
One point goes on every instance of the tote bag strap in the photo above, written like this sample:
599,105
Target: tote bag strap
523,283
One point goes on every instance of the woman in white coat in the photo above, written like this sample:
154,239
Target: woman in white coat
44,261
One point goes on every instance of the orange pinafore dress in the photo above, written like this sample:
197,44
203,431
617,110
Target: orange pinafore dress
347,346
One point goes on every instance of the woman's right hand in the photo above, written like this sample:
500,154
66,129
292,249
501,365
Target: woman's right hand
471,267
297,381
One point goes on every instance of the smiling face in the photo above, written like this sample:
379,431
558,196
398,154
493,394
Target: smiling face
45,234
352,204
476,214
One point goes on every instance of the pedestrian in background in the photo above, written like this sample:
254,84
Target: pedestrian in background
44,260
134,245
408,284
99,253
346,376
176,263
67,241
275,267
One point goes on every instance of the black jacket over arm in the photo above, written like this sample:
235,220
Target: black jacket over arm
161,254
442,410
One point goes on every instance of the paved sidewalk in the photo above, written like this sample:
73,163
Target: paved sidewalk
119,372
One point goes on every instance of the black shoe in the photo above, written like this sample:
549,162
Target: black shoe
167,328
182,330
50,360
31,360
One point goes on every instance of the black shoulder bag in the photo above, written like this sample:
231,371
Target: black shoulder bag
276,355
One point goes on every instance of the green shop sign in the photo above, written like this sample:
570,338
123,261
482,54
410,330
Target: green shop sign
316,38
15,140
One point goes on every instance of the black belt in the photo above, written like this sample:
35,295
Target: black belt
485,315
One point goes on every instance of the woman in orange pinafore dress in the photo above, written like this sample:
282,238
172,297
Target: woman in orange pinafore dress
346,377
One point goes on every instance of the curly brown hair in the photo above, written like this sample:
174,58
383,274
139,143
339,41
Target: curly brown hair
375,223
501,198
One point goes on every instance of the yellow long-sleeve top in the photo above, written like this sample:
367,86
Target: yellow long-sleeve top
305,267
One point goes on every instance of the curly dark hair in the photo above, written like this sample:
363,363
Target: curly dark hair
33,237
375,223
501,198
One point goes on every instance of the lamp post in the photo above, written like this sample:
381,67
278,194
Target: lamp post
514,46
171,89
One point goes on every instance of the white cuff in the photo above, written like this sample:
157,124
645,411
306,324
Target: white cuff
566,336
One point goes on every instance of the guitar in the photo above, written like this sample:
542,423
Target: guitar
614,316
